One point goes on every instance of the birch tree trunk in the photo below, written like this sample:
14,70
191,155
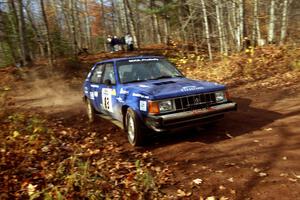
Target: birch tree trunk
48,40
224,35
113,19
155,27
256,35
132,23
23,35
166,28
65,8
38,35
126,17
103,24
236,23
181,16
271,23
14,23
206,29
138,23
231,25
77,25
87,25
220,29
241,22
284,21
10,42
73,28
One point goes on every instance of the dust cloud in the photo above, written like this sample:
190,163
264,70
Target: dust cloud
54,94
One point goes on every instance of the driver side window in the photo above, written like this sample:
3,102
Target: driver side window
97,74
109,73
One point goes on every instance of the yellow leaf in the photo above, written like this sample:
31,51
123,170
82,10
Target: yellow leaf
37,130
16,134
6,88
31,189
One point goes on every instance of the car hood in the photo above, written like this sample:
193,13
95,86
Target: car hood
172,87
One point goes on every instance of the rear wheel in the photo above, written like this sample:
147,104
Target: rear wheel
90,111
133,128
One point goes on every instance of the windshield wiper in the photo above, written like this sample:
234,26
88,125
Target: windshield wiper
178,76
161,77
134,81
166,76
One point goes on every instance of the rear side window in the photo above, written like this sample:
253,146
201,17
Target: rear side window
109,73
97,74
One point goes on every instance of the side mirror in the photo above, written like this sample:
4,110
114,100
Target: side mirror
107,82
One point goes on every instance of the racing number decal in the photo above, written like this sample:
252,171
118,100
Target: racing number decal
106,99
106,103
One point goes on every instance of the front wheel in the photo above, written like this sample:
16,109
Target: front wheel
90,111
133,128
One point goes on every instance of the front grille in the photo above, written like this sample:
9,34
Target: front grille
195,101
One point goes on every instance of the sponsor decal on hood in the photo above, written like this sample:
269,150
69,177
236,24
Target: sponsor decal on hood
191,88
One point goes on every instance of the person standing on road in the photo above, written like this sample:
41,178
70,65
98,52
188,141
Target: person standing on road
129,42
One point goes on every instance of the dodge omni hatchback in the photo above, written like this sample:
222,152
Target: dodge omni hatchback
149,93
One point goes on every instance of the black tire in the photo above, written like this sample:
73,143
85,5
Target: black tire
90,111
133,128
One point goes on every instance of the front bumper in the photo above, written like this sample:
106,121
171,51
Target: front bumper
188,118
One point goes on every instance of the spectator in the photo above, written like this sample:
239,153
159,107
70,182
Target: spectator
109,43
122,43
129,42
115,43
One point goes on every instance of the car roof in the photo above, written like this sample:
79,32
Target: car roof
130,58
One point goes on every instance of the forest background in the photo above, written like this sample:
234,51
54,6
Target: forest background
39,29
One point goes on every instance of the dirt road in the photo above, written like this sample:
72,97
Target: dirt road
252,154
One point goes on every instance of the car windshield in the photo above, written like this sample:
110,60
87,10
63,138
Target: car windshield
137,70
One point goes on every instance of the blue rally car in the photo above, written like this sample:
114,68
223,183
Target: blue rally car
149,93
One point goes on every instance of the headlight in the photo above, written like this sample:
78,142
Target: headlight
165,106
220,96
156,107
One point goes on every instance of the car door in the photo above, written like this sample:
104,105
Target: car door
95,86
107,95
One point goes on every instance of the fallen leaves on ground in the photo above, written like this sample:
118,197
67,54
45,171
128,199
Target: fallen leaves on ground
43,157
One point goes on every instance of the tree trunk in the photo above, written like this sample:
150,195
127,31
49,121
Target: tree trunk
236,23
132,23
87,25
241,22
166,28
206,29
126,17
156,28
48,39
154,19
37,35
138,23
73,28
271,23
181,15
23,36
224,34
15,45
284,21
115,29
219,25
77,24
103,24
256,35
